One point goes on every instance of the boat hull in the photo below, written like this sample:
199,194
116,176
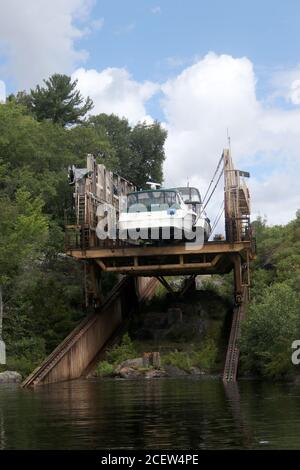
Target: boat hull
155,226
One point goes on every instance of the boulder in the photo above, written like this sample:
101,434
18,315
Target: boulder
129,373
155,374
196,371
10,377
174,371
130,363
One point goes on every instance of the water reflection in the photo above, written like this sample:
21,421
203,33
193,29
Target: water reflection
154,414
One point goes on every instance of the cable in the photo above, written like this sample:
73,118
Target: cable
215,173
215,187
218,217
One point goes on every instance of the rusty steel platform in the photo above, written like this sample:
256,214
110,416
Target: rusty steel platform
211,258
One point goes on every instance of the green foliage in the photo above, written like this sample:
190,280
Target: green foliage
180,359
203,358
271,326
147,144
104,369
59,101
86,138
25,354
42,289
24,231
273,320
122,352
220,285
139,151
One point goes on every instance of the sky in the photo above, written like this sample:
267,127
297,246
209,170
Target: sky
202,68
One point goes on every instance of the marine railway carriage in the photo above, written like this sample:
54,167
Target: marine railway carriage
101,189
164,214
145,266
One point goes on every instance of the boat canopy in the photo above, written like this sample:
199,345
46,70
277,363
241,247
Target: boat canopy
153,200
190,194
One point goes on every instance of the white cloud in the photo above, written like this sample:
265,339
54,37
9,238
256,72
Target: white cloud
2,92
97,24
156,10
127,28
294,94
39,37
114,91
175,62
214,94
287,84
219,92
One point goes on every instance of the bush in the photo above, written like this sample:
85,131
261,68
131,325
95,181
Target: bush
25,355
222,286
22,365
206,357
104,369
178,359
271,325
120,353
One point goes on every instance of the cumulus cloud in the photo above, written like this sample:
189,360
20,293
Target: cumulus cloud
2,92
219,93
114,91
286,84
38,38
215,94
294,94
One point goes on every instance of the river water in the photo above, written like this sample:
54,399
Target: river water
183,413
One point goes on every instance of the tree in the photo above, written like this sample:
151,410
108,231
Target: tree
147,157
272,320
139,149
22,98
117,131
59,101
271,325
43,290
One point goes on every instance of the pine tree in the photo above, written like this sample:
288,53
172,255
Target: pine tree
59,101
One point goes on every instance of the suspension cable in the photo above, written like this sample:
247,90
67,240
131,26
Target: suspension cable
215,173
218,217
214,188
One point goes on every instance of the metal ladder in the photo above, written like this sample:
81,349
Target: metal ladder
233,352
81,209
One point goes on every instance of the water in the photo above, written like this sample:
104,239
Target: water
183,413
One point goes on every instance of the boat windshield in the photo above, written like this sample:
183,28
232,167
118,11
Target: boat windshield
190,194
152,201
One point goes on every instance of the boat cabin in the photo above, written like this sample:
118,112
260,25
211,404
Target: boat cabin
154,200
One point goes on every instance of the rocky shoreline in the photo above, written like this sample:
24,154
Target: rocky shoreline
134,369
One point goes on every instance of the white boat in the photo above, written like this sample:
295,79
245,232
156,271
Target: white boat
164,215
192,199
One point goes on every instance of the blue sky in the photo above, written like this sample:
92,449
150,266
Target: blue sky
143,35
200,67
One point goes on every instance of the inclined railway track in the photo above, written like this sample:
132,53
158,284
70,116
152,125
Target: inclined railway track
233,352
63,348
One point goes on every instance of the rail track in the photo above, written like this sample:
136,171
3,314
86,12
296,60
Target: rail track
71,359
233,351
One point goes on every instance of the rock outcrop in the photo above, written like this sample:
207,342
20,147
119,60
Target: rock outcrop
10,377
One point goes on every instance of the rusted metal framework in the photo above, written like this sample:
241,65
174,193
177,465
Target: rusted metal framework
100,190
96,191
